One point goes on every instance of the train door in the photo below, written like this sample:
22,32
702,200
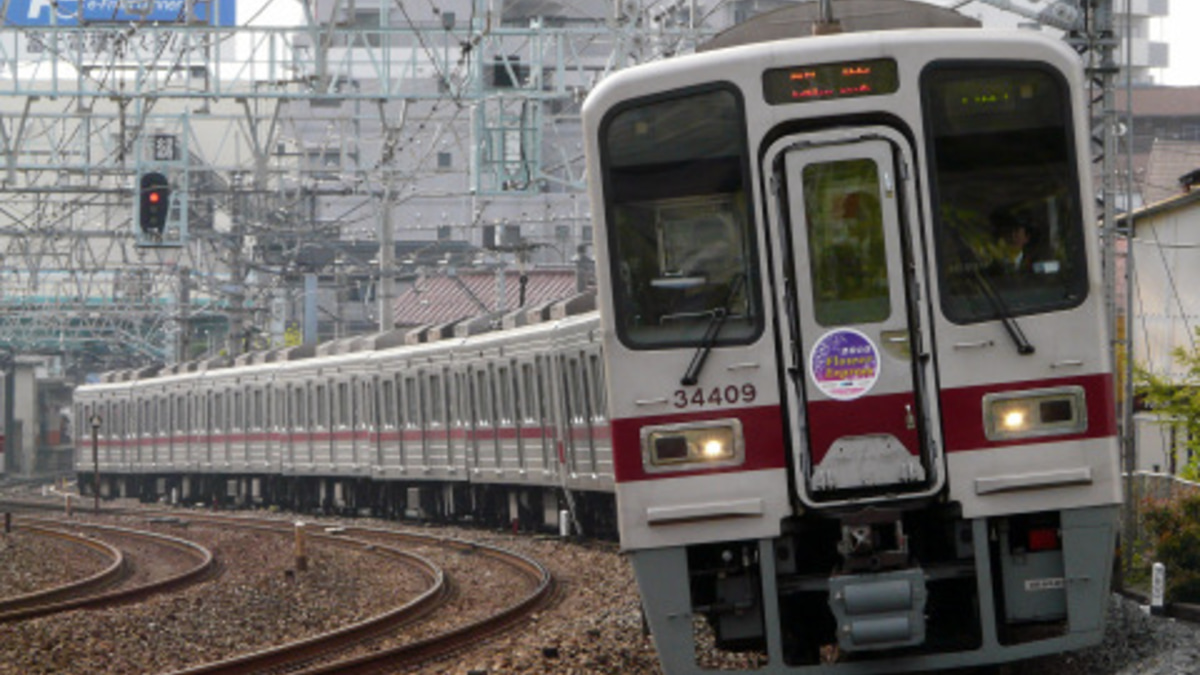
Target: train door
858,320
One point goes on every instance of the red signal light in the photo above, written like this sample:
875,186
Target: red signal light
154,197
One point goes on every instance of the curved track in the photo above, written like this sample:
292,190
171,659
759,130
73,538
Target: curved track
313,655
27,605
327,645
84,594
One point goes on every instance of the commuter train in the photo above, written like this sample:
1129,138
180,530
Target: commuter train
848,394
860,392
501,427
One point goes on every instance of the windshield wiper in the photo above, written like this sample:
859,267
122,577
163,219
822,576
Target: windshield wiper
711,332
967,255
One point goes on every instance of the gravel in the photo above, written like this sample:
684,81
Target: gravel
595,626
254,603
32,562
1135,643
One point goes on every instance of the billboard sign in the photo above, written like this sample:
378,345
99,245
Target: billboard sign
89,12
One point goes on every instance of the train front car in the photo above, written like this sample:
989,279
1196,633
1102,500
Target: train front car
859,387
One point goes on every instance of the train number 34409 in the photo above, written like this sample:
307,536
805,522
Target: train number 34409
701,397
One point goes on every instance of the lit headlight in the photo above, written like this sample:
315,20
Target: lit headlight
1042,412
714,443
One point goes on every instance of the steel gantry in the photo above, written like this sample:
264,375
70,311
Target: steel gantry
278,140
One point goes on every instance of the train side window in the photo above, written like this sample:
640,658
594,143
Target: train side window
520,398
322,407
340,406
482,390
412,402
354,408
679,220
389,403
577,401
596,378
257,422
528,393
366,394
363,411
504,398
299,418
435,399
448,396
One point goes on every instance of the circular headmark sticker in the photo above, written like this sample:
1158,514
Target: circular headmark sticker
844,364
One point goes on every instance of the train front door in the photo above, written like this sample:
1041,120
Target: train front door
856,303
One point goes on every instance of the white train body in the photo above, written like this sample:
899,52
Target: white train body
497,426
859,380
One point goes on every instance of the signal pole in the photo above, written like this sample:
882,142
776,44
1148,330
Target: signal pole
96,422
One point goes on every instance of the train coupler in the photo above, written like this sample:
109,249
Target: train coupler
873,540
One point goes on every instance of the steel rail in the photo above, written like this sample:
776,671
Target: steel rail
12,607
293,654
195,574
449,642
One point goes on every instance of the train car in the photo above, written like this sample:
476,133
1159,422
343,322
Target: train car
502,426
858,374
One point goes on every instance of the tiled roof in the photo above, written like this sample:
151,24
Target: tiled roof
444,298
1168,161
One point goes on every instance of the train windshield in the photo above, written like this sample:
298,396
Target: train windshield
678,220
1010,230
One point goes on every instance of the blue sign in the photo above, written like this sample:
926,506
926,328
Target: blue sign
70,12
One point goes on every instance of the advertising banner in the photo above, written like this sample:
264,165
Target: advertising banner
27,13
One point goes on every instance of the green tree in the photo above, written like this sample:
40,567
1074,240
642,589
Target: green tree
1175,528
1177,402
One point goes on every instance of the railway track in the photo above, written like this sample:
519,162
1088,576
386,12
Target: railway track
302,656
94,591
341,650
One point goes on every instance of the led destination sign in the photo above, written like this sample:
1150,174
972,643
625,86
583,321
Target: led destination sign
827,81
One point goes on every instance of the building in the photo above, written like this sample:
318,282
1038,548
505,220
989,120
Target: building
1165,251
1132,18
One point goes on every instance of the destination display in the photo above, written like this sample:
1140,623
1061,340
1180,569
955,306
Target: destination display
829,81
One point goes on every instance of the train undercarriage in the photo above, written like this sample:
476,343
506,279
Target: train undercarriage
919,590
523,508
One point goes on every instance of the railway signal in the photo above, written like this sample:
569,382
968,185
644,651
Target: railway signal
154,202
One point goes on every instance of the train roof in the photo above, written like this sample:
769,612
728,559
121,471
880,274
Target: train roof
427,342
852,16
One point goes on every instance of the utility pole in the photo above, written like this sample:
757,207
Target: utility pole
1104,71
183,338
234,340
387,258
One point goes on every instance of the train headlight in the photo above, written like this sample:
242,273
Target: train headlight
1041,412
691,446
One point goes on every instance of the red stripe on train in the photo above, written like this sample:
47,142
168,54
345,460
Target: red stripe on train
962,412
